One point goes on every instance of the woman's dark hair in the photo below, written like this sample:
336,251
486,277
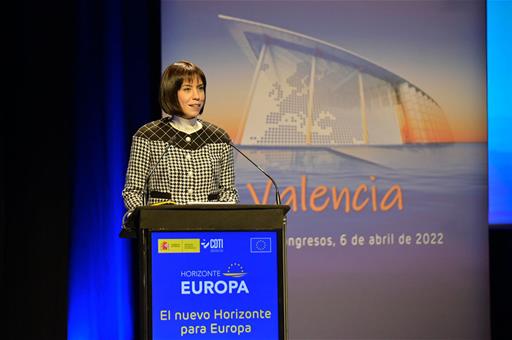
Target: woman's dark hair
172,79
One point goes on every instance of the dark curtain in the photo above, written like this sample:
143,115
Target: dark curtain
37,170
500,268
71,60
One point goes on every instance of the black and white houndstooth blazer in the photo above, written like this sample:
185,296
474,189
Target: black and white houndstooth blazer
183,168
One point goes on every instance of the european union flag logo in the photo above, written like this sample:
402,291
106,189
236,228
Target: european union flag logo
261,245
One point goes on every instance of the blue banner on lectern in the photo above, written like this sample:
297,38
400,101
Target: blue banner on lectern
215,285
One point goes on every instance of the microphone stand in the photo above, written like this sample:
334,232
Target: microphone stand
278,196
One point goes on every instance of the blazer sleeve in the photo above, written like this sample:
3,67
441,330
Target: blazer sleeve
137,172
228,192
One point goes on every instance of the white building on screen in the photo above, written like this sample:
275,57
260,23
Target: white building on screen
306,91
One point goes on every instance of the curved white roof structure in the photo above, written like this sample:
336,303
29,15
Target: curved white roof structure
306,91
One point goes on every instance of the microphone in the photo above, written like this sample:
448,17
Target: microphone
278,196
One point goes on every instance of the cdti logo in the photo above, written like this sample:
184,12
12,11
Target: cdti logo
214,245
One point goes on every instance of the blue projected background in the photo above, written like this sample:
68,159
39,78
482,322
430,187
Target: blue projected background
215,285
499,88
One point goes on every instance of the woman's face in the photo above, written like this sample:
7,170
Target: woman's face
191,97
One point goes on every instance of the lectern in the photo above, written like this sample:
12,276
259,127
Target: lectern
211,271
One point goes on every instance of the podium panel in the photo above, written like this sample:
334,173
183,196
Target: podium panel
212,271
215,284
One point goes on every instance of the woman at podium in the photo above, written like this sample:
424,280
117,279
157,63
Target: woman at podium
180,158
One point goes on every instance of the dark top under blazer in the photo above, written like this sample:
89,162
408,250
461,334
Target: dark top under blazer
198,167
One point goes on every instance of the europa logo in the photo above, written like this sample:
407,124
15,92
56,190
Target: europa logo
218,287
